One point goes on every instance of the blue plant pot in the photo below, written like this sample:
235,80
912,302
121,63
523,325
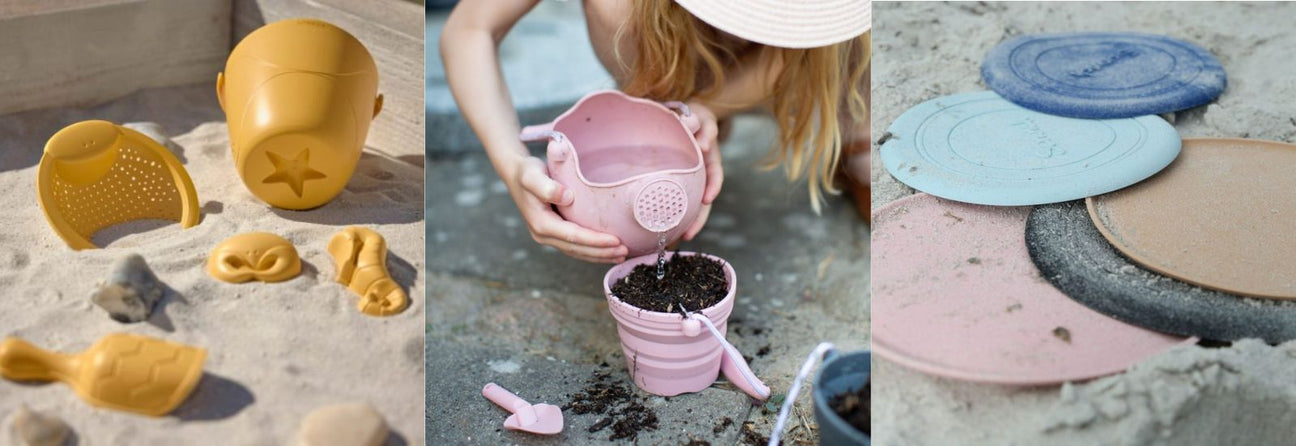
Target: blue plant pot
840,373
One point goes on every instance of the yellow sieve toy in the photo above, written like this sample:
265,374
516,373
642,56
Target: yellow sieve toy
298,95
95,174
122,371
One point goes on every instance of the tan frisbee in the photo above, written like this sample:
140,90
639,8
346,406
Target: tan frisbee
1221,216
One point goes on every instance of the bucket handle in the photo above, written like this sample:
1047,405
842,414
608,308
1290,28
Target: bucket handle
760,389
827,351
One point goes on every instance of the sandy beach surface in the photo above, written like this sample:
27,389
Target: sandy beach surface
277,351
1242,394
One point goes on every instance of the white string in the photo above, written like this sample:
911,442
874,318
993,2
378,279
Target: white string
796,388
729,349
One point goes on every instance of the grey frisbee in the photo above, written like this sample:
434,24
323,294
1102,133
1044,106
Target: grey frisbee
1070,253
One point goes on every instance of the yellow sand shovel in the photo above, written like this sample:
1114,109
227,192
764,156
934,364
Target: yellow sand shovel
122,371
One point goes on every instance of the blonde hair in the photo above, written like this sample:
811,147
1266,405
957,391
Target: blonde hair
816,92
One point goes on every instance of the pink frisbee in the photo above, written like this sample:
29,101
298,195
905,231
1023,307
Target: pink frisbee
955,295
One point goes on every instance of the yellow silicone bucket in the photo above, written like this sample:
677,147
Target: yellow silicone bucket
298,95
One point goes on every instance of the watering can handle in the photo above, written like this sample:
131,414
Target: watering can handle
556,152
690,120
538,132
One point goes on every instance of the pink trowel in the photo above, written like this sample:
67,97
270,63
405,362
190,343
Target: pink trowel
545,419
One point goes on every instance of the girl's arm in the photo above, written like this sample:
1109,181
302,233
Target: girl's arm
469,44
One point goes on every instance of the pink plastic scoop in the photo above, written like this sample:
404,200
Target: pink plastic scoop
544,419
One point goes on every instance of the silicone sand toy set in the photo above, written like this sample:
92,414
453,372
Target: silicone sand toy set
972,282
299,96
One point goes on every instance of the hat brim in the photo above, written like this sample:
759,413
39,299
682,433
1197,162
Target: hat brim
786,23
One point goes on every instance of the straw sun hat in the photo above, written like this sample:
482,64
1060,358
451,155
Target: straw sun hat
786,23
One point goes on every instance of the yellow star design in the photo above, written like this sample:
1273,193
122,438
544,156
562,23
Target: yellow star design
292,172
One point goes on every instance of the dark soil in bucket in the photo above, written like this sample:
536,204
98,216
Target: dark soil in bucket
853,407
692,281
623,412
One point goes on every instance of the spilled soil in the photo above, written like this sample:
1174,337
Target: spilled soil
624,413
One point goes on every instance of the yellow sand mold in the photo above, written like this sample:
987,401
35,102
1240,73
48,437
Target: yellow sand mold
95,174
122,371
254,256
361,258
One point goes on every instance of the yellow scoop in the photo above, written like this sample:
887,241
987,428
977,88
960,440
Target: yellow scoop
95,174
299,96
122,371
361,258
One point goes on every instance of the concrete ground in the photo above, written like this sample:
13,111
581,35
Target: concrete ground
503,309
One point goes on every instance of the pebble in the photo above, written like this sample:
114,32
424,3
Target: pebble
130,292
32,428
355,424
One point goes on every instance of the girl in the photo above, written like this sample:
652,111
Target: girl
804,62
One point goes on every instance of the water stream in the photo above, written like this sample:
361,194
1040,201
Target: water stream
661,255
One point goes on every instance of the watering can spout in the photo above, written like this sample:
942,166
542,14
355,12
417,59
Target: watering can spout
660,205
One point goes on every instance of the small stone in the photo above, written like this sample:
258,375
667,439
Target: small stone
356,424
130,292
32,428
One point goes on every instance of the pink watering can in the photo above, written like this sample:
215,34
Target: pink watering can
632,164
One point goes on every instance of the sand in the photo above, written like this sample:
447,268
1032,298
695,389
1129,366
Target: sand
276,351
1242,394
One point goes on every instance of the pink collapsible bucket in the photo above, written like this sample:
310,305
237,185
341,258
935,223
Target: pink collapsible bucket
632,164
668,354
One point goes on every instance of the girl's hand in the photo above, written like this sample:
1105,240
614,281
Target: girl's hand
708,138
533,192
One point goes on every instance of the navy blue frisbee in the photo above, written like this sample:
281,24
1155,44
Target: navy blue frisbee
1103,75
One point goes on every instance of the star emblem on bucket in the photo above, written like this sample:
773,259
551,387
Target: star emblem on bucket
292,172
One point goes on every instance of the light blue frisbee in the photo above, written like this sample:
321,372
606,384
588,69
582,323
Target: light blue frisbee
979,148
